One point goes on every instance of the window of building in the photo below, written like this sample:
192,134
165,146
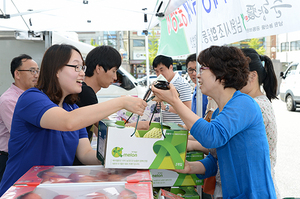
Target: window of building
284,46
293,45
298,45
138,43
110,38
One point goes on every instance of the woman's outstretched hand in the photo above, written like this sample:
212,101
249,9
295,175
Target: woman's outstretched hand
134,104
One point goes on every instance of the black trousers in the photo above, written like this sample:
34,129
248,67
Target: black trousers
3,160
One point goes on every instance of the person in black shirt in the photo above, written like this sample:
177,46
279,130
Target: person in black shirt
102,64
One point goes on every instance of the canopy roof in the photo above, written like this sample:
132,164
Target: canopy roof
83,15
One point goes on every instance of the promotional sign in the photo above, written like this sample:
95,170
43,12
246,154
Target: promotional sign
227,21
178,31
222,22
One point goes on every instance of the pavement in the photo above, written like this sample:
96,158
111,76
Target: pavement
288,150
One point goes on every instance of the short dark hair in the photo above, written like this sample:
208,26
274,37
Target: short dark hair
228,64
17,62
190,58
105,56
161,59
55,58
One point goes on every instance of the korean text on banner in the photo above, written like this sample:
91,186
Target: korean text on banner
223,21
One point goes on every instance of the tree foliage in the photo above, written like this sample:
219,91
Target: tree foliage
93,43
153,46
255,43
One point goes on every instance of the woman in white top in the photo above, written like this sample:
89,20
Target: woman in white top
262,74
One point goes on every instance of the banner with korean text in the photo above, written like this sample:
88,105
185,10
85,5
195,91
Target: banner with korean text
227,21
178,31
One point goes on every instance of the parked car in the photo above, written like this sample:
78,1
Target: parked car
143,81
125,84
290,86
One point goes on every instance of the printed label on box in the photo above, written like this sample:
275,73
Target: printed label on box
128,149
167,178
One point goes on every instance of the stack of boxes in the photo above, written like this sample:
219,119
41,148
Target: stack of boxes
50,182
127,157
182,184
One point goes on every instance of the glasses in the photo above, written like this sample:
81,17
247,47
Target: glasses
78,67
191,70
203,68
32,71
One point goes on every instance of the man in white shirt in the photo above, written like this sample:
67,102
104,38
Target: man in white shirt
164,65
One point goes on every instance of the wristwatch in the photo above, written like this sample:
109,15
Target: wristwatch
167,108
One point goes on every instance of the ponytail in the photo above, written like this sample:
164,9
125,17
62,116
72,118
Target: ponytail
270,80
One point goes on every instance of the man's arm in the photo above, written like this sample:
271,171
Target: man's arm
172,110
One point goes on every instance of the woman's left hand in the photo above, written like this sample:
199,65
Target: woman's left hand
169,96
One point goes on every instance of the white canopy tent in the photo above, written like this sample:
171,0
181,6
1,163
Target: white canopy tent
84,15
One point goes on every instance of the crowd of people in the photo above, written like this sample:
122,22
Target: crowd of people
50,113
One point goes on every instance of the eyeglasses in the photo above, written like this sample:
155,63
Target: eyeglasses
203,68
191,70
32,71
78,67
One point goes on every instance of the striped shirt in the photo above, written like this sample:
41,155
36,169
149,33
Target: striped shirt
184,90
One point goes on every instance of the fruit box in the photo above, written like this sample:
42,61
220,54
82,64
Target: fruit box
118,190
163,194
141,190
128,149
194,156
185,192
168,178
81,174
18,192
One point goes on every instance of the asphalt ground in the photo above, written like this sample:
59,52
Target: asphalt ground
288,150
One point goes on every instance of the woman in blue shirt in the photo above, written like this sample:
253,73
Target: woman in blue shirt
237,130
48,128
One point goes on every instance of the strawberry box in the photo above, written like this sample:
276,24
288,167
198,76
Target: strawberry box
20,192
141,190
112,190
144,149
81,174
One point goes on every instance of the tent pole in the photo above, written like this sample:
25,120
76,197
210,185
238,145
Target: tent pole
4,7
198,50
146,46
147,58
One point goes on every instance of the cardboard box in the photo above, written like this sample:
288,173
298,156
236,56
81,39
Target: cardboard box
194,156
123,150
19,191
81,174
185,192
167,178
164,194
141,190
